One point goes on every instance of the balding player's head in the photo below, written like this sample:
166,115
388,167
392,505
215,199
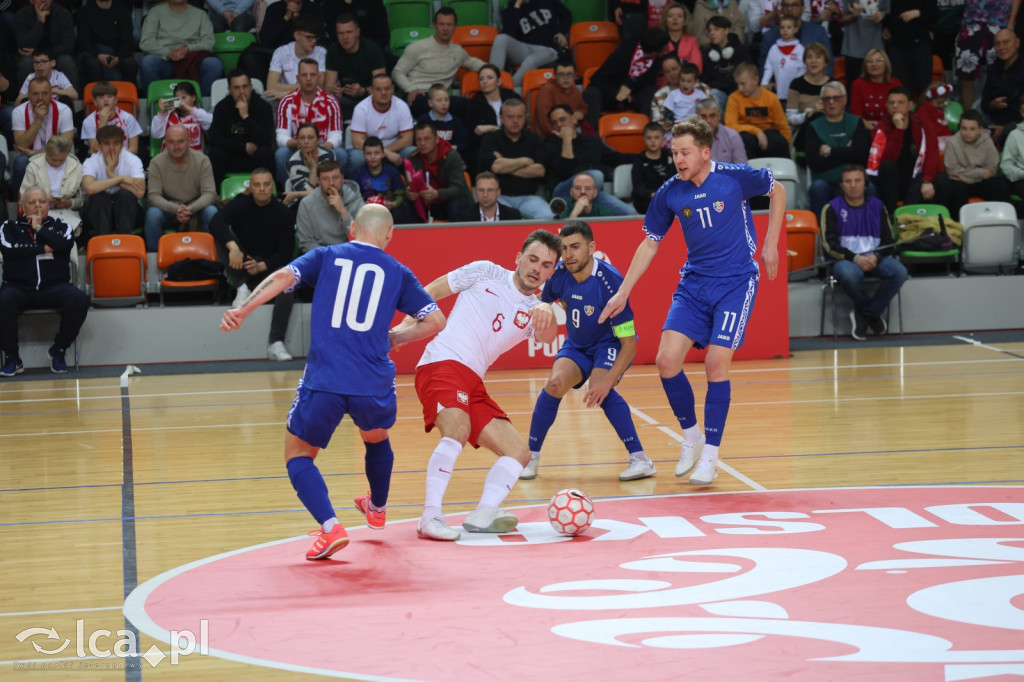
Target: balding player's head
373,224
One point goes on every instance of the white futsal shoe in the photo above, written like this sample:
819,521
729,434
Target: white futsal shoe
689,453
277,352
436,529
240,295
706,471
530,470
490,520
639,467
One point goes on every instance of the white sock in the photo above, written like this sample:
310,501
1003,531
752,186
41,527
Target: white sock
692,434
439,472
639,457
534,455
710,452
329,524
500,479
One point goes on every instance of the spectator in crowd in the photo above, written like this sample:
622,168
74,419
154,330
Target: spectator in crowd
908,27
302,165
627,79
870,92
517,157
435,59
946,29
106,42
449,128
833,141
36,250
352,62
671,69
804,99
256,235
309,102
283,76
181,188
484,109
972,166
931,107
676,21
728,146
326,215
182,110
532,33
34,122
583,200
382,183
231,15
104,95
241,137
179,40
807,31
561,89
904,154
651,168
682,102
114,179
723,52
59,174
45,66
277,29
706,10
974,44
1012,161
862,33
855,225
756,114
785,62
438,185
631,17
44,24
384,115
1003,83
371,18
568,154
488,208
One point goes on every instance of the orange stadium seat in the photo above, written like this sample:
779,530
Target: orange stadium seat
476,40
803,241
127,97
532,82
623,131
178,246
116,269
591,42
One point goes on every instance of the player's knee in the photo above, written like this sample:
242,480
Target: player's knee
717,369
668,362
557,387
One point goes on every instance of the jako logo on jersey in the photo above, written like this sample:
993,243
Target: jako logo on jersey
718,206
589,310
687,212
702,195
462,397
521,319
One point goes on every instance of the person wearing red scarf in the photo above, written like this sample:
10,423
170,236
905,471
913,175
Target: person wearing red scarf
903,167
437,183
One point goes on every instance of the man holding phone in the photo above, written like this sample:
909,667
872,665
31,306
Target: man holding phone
352,62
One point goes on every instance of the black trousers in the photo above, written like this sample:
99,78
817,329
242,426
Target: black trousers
117,213
71,302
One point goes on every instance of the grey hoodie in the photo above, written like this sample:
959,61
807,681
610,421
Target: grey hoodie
318,224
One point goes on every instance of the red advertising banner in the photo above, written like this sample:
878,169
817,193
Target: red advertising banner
433,252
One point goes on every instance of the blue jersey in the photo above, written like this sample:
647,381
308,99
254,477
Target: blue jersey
715,217
352,311
584,301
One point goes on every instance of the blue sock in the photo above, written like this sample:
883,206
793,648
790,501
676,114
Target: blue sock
716,409
310,487
380,459
617,412
544,413
680,399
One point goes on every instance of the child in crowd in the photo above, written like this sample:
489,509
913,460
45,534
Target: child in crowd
671,68
382,183
785,61
652,168
448,127
756,114
44,65
931,107
182,110
682,101
104,95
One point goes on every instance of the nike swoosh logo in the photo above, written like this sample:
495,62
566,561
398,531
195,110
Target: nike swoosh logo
444,471
490,292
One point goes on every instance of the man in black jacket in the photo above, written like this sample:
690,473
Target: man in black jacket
37,250
241,137
487,209
612,86
532,32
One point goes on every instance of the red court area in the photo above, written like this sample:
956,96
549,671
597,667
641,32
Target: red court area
879,584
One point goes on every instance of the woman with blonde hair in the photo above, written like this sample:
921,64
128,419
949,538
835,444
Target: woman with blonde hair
676,22
869,93
59,174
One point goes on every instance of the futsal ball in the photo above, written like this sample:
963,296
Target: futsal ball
571,512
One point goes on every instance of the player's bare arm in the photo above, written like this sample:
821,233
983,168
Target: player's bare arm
645,253
419,329
438,289
603,381
776,218
267,290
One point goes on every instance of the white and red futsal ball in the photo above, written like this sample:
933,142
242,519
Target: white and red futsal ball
571,512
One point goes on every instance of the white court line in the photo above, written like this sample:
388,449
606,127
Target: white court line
679,438
979,344
51,659
43,613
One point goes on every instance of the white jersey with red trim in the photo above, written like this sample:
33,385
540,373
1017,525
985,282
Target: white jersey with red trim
490,316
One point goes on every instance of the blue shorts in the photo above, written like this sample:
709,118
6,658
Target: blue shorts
712,310
589,358
314,415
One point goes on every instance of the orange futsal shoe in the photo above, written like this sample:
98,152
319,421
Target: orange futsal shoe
374,519
327,543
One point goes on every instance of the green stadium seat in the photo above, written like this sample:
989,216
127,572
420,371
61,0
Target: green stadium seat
402,37
409,13
228,46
